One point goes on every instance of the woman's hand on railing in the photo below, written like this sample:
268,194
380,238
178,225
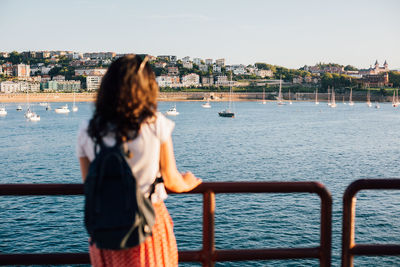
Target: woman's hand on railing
191,181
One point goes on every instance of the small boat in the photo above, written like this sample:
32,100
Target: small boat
48,107
316,97
19,108
206,105
43,104
172,111
63,109
280,98
226,113
28,113
3,111
34,117
377,105
290,101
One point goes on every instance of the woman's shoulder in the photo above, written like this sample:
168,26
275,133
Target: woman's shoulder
163,126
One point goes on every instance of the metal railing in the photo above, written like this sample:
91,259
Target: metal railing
349,247
208,255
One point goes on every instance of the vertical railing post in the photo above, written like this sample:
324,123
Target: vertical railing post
208,228
326,229
348,228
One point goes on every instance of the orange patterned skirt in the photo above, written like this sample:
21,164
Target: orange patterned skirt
158,250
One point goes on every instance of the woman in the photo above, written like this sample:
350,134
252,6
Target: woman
126,108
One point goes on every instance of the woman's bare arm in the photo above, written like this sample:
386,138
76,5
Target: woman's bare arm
84,163
173,180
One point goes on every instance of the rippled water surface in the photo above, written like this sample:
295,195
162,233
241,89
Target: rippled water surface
299,142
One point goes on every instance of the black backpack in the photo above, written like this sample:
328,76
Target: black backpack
117,214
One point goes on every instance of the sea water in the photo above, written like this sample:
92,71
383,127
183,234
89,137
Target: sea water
299,142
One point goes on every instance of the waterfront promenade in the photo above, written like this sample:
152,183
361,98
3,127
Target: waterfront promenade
189,96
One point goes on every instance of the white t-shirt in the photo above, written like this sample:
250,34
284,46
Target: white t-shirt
145,147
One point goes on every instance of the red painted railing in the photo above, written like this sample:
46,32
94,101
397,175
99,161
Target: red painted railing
349,247
208,255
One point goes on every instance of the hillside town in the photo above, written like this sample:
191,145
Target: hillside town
68,71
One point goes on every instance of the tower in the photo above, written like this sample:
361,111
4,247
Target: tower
386,65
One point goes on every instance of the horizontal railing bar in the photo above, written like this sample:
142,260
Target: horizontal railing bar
184,256
375,249
266,254
216,187
371,184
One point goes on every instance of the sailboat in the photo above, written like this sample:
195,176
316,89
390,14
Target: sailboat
28,112
227,112
263,100
280,98
290,101
316,97
329,95
74,107
369,99
3,111
333,101
395,99
351,103
207,104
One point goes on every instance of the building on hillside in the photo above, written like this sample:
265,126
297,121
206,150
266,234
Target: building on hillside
186,59
217,69
207,80
100,55
21,70
4,54
59,78
222,80
173,71
297,80
167,81
160,65
93,82
91,72
197,61
264,73
188,65
203,68
61,86
376,69
191,79
376,80
220,62
171,59
209,61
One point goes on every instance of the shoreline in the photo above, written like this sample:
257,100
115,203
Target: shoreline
175,97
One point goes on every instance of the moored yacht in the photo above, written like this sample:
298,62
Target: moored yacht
3,111
172,111
64,109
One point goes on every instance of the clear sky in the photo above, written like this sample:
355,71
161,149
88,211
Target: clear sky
286,33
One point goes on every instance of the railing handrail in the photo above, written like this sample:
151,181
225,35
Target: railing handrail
349,247
208,255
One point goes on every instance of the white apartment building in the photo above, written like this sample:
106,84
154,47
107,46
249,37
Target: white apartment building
8,87
186,59
216,68
187,65
220,62
91,72
191,79
264,73
203,67
167,81
209,61
21,70
197,61
93,82
222,80
207,80
16,87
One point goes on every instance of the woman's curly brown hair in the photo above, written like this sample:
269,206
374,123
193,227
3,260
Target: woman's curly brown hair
127,97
